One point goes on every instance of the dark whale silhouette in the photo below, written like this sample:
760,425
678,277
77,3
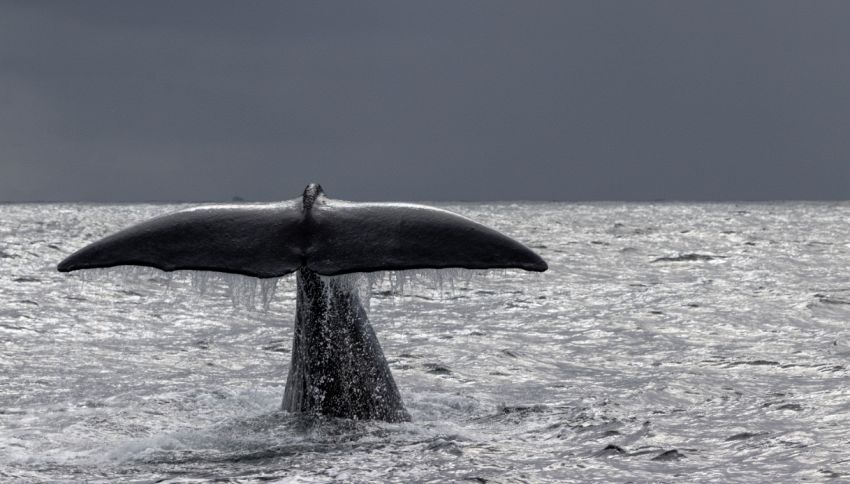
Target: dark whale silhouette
338,367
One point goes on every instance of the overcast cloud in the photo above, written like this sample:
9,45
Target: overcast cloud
471,100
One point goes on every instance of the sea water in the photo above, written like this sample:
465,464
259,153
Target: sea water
667,342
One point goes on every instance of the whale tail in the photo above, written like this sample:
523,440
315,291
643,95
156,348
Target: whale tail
338,367
327,236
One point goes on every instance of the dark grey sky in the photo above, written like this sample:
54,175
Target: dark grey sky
471,100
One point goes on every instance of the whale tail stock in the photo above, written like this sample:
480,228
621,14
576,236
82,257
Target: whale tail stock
327,236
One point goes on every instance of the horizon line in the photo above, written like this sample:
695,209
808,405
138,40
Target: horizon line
575,200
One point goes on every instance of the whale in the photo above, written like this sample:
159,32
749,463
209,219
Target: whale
338,367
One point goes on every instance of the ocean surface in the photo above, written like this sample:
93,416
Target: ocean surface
668,342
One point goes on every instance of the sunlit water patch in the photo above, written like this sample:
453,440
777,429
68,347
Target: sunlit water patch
668,342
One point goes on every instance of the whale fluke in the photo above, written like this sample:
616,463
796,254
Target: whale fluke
329,237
